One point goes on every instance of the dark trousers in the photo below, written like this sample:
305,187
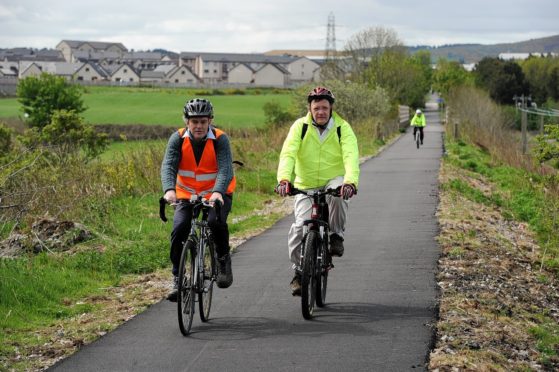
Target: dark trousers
420,133
181,229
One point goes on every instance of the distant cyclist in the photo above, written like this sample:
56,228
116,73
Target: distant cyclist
418,123
319,152
198,161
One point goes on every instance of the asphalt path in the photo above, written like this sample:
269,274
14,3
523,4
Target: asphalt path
381,296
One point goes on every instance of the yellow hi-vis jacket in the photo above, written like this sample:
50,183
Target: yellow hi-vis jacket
418,121
198,179
309,163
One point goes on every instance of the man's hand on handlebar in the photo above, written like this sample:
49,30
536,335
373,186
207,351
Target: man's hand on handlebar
284,188
216,196
170,196
347,191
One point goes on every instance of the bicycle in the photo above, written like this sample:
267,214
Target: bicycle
315,260
198,264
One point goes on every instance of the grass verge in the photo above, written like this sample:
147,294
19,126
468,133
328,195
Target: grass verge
498,275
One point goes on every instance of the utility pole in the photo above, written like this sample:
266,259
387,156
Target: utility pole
524,125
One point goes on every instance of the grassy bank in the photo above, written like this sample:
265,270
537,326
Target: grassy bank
498,271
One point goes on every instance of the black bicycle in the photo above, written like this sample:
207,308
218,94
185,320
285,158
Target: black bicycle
315,260
417,137
198,264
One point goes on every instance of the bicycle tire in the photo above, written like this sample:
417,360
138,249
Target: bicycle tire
417,138
308,276
209,274
186,290
322,275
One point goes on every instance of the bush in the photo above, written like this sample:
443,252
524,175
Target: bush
276,115
354,101
41,96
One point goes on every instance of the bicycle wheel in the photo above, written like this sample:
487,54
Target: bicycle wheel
205,296
185,298
308,276
322,274
417,141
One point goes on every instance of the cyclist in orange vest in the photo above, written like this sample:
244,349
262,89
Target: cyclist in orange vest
198,162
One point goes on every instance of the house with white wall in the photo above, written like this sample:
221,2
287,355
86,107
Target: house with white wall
125,74
90,72
241,74
272,75
302,70
181,75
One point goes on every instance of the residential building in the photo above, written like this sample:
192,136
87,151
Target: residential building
69,47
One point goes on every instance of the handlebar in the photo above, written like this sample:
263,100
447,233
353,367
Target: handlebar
334,192
195,202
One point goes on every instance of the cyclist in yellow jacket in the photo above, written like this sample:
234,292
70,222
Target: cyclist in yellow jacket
418,123
319,152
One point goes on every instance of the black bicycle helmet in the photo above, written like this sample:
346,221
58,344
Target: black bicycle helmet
321,93
198,108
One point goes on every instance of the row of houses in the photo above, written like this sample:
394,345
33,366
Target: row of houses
97,62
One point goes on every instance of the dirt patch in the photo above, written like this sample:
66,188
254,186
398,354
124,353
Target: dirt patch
493,290
45,235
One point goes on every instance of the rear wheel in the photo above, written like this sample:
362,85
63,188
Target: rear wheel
186,293
322,275
205,297
308,276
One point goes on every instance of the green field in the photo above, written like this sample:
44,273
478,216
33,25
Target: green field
119,105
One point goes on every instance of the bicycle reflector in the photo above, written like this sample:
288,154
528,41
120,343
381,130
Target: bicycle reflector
314,212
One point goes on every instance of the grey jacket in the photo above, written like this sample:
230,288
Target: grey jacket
170,164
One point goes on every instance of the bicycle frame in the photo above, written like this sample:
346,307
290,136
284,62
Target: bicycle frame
315,234
196,274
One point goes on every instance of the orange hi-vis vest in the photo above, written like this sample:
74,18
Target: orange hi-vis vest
199,179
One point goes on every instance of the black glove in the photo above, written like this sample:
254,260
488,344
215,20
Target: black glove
284,188
347,191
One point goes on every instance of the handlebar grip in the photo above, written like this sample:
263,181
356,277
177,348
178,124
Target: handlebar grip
162,204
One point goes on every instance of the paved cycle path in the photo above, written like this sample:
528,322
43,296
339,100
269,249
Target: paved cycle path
380,303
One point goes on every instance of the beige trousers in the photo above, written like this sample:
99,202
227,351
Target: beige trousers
302,211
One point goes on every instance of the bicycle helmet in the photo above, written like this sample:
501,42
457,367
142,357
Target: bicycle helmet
321,93
198,107
418,111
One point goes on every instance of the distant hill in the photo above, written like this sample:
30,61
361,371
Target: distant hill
472,53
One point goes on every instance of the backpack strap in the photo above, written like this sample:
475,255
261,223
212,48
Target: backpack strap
306,126
304,131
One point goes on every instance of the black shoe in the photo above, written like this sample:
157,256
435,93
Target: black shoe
296,285
336,245
224,271
172,296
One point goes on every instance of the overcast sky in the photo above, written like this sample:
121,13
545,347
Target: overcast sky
246,26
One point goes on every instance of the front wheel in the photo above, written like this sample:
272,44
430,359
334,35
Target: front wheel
209,274
308,276
186,291
417,138
322,274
